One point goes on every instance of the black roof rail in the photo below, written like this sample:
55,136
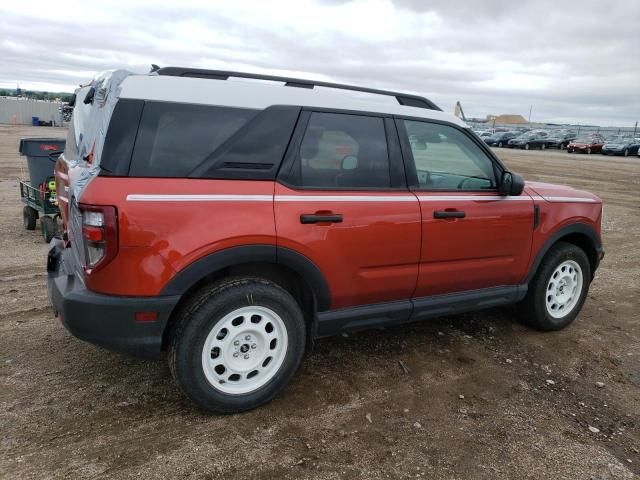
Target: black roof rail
402,98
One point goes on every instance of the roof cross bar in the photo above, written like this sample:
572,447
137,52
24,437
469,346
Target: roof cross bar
402,98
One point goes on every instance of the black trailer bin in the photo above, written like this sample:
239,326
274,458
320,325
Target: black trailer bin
39,192
37,151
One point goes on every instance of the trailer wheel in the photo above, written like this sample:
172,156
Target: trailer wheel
49,228
29,217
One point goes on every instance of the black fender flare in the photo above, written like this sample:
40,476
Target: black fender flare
228,257
580,228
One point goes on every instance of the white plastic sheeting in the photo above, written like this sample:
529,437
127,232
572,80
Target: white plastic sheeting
90,122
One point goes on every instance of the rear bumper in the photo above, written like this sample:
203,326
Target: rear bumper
106,320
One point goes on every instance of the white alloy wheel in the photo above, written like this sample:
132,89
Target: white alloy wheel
564,289
244,350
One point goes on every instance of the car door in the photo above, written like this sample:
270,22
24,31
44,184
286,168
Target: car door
342,201
472,237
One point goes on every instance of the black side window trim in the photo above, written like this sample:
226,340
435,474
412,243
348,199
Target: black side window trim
410,166
114,162
214,165
289,174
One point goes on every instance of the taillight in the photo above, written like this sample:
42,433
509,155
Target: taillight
100,235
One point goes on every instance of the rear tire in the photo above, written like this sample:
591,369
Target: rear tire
588,151
526,146
237,344
500,144
558,289
542,146
48,227
29,217
626,152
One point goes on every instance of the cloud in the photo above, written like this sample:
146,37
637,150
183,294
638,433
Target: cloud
572,60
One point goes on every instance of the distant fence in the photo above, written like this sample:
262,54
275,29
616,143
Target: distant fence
19,111
579,129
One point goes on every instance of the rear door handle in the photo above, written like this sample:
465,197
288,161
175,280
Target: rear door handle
448,214
319,218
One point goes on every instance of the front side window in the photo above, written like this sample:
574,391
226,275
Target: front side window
447,159
344,151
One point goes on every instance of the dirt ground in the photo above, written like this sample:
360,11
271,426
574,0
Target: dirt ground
483,398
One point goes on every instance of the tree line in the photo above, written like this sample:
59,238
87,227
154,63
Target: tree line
35,94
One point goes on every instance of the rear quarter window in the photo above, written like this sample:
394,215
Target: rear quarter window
175,138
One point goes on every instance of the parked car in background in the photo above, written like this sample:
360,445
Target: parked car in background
564,139
621,146
500,139
545,142
527,141
485,134
592,144
542,133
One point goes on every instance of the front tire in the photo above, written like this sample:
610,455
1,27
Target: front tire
558,290
237,344
500,144
526,146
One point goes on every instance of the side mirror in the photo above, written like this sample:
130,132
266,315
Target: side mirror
511,184
350,162
72,100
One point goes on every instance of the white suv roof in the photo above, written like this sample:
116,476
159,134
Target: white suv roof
244,90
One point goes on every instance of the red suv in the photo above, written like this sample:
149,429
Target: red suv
232,221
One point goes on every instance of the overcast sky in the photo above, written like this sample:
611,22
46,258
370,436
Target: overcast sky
573,60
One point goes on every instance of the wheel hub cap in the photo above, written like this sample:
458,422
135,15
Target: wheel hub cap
244,350
564,289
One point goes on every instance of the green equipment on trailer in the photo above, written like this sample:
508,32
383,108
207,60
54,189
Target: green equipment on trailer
39,192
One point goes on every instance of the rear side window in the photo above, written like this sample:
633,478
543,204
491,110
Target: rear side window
344,151
175,138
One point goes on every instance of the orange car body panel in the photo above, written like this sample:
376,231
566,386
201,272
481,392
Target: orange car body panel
388,246
159,238
371,257
489,247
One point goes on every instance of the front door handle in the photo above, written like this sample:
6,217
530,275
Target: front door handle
321,218
448,214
